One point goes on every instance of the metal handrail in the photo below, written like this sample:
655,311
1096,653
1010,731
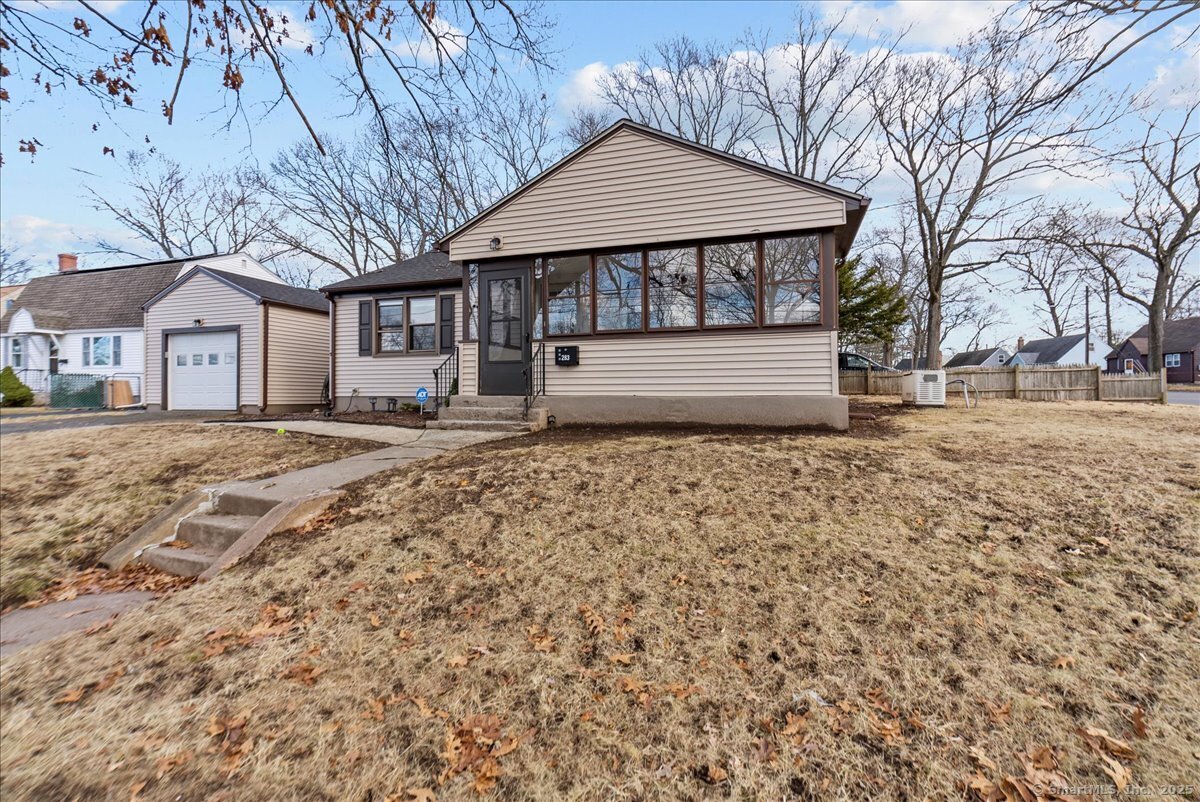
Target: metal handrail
444,377
535,377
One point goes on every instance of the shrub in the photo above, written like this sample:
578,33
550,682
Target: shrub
16,394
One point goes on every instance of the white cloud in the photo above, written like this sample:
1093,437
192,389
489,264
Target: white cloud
450,42
582,89
931,23
41,240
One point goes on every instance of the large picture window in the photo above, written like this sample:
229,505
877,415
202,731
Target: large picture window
102,352
673,288
569,295
792,280
619,291
730,284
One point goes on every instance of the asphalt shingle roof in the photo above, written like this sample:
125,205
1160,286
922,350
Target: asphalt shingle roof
94,299
970,358
1050,350
274,291
433,267
1179,336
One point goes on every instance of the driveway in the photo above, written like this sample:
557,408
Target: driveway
52,420
1183,397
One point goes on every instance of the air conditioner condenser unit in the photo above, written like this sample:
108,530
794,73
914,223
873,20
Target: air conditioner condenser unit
924,388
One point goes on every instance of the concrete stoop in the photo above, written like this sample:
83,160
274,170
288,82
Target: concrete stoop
490,413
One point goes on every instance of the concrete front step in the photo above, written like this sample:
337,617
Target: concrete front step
216,532
245,502
181,562
513,413
487,401
481,425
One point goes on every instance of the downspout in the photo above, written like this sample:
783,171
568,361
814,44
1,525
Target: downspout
332,352
265,345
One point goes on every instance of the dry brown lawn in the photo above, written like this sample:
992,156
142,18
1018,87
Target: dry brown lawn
66,496
942,598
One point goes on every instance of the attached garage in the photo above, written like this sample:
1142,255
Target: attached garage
221,341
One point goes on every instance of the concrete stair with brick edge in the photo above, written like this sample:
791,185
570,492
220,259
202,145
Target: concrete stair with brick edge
490,413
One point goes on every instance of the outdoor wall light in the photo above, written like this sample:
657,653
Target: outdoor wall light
198,322
494,244
373,399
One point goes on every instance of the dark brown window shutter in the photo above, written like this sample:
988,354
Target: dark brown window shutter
446,323
365,344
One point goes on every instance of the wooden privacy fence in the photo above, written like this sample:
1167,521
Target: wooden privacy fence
1078,383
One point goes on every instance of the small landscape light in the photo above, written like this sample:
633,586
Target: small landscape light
392,404
372,399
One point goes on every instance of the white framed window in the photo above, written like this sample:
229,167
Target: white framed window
1171,360
102,352
16,353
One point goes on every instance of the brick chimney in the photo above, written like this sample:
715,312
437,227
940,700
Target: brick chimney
68,263
1020,344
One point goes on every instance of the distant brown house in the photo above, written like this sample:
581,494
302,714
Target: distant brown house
1181,351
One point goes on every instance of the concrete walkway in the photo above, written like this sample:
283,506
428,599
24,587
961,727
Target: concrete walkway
406,446
23,628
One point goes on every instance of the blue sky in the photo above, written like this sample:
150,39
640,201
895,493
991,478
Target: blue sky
44,210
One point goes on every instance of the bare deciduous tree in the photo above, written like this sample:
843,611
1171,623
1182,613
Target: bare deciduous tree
1005,106
425,53
585,125
811,102
683,88
14,267
1050,272
1148,254
174,213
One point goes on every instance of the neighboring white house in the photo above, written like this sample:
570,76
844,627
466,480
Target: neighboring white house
91,321
1069,349
981,358
217,340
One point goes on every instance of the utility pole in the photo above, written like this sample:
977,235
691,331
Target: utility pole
1087,325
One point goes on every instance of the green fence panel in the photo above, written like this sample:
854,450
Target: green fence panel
76,391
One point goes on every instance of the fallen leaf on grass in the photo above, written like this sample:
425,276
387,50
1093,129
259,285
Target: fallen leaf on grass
100,626
988,548
1100,741
983,760
303,672
715,775
422,795
413,577
541,638
376,621
135,790
71,697
623,659
1138,720
592,619
999,714
1119,773
1064,662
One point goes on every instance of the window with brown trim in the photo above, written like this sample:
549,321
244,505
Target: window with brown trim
619,291
569,295
390,335
422,324
731,284
672,288
791,280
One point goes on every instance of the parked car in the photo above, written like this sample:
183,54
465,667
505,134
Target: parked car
848,360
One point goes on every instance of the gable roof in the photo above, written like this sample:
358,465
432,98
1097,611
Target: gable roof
970,358
855,203
907,363
108,297
1179,336
1047,351
433,267
261,290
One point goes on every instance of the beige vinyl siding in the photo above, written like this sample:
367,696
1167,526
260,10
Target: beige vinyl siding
637,189
297,355
740,363
237,263
397,375
217,304
468,368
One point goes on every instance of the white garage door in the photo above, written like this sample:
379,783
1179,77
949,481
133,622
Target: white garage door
204,370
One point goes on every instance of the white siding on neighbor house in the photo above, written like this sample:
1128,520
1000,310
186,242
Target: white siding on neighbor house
297,355
635,189
698,365
133,355
236,263
397,375
217,304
